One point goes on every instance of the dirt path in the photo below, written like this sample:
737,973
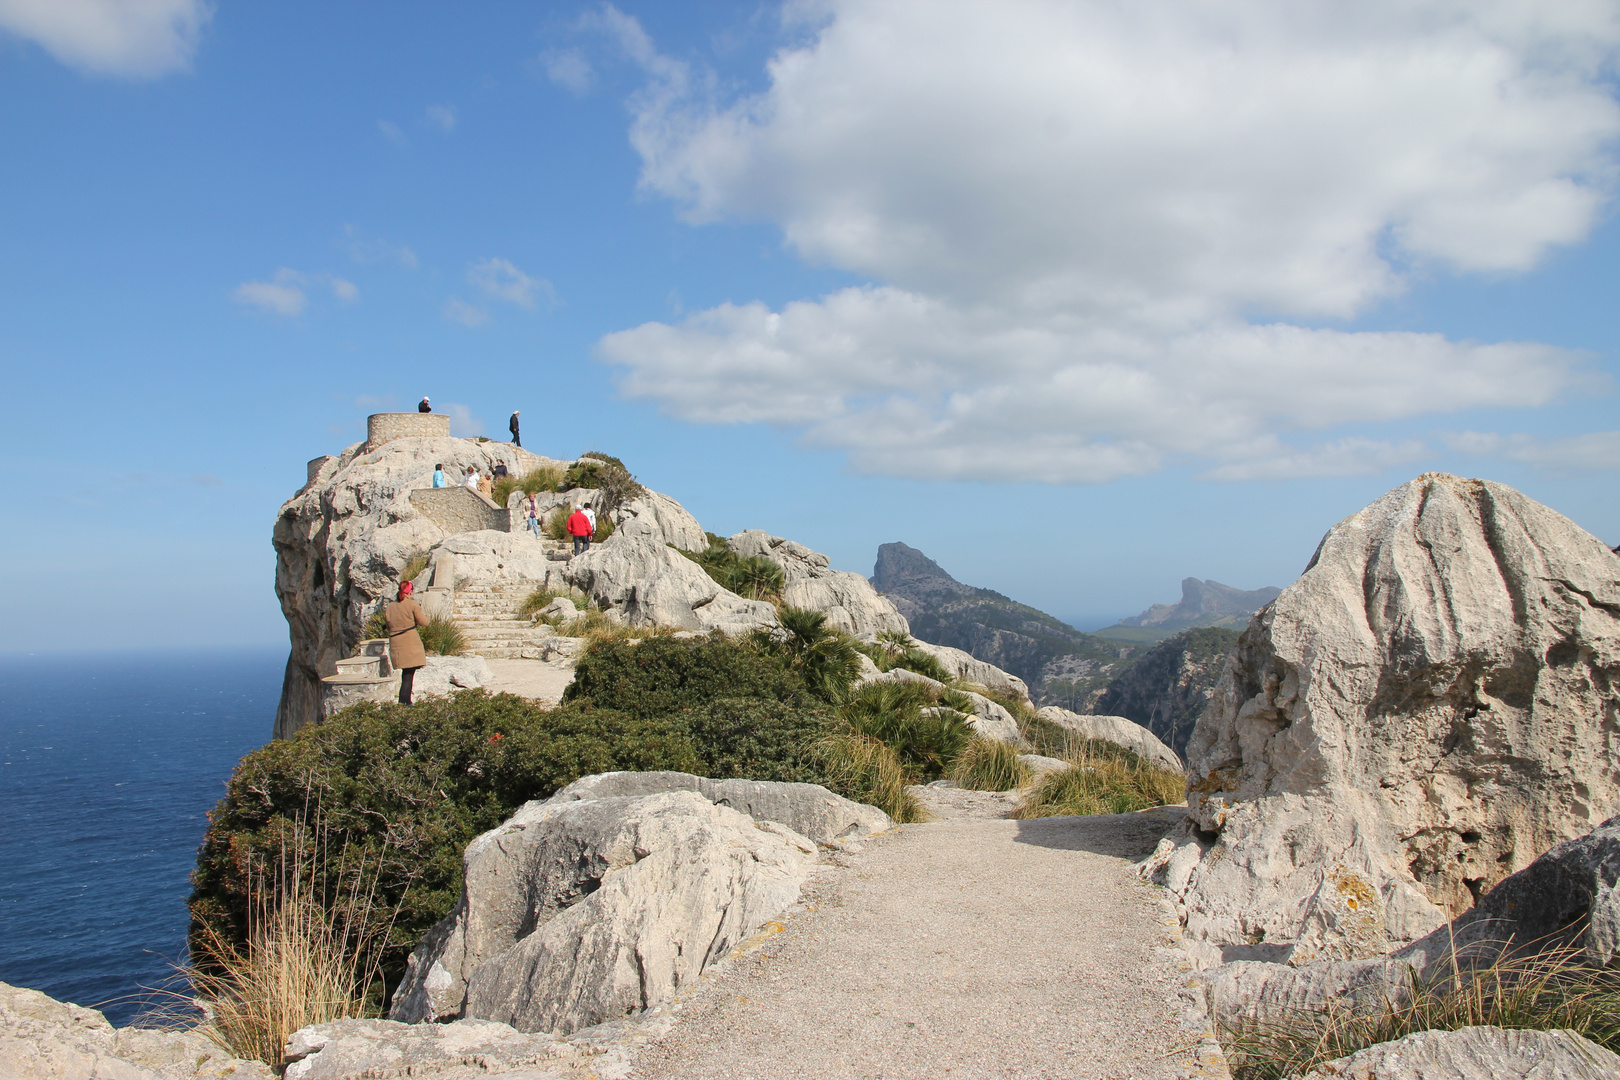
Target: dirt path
971,948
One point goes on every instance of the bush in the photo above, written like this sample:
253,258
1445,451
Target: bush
754,577
903,716
1102,779
1547,991
606,474
403,789
555,525
544,478
442,636
759,738
823,657
892,651
661,676
990,765
502,489
376,625
862,768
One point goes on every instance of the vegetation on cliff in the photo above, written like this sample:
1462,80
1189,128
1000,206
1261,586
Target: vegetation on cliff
1169,685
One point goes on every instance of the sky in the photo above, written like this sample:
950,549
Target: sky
1078,298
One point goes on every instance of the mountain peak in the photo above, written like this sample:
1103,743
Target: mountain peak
899,563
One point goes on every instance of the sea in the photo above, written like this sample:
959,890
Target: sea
109,764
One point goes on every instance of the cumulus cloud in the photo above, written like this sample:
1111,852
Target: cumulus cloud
442,116
285,293
131,38
459,311
569,69
500,279
1098,231
370,249
1592,452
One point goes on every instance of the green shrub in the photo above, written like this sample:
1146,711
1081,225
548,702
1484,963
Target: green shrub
501,491
894,650
759,738
604,529
405,789
555,525
606,474
904,717
442,636
824,658
1545,991
665,675
990,765
544,478
862,768
376,625
754,577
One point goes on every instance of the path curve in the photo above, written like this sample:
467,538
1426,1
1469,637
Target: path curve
963,948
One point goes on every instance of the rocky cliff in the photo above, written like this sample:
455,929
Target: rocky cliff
1202,603
1434,703
1016,637
1167,689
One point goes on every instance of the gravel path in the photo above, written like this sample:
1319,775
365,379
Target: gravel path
968,947
542,680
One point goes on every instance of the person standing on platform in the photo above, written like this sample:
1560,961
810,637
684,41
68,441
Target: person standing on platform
438,476
405,649
512,426
423,406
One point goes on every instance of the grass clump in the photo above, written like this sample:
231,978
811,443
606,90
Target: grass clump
542,597
376,625
1544,991
866,765
990,765
896,650
754,576
442,636
904,716
1102,778
544,478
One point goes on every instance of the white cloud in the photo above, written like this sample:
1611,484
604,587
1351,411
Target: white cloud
444,116
282,295
500,279
459,311
463,424
1091,224
392,133
369,249
346,291
134,38
1593,452
570,70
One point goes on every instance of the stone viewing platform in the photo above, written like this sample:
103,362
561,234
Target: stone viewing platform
386,427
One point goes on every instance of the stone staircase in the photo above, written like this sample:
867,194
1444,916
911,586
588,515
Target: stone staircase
488,618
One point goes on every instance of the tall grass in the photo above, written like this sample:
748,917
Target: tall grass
873,773
414,566
1550,990
308,958
544,478
441,635
502,489
1102,779
990,765
541,597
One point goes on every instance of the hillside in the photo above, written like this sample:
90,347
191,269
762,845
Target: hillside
1202,603
1028,642
1168,687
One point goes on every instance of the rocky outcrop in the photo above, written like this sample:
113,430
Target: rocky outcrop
45,1039
1167,689
970,669
465,1050
1477,1053
637,578
1203,603
1117,730
990,718
1014,637
1431,705
577,912
808,809
848,600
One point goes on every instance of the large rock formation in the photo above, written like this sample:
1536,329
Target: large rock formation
1032,645
577,912
1435,702
848,600
1477,1053
1202,603
1168,688
1117,730
45,1039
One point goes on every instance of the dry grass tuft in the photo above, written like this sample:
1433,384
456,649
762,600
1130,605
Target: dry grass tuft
1102,779
1545,991
990,765
874,773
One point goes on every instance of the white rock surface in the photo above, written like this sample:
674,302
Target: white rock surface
45,1039
639,579
1477,1053
667,519
1118,730
808,809
446,674
577,912
847,599
464,1050
1429,705
969,668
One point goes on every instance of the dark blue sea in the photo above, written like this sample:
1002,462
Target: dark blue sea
108,764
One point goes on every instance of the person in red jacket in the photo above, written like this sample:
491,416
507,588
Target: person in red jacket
579,527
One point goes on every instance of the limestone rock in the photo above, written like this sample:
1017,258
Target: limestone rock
1041,765
1477,1053
465,1050
848,600
446,674
969,668
1570,895
1431,704
990,719
668,520
635,576
1117,730
573,913
808,809
1249,991
489,557
45,1039
560,608
1344,920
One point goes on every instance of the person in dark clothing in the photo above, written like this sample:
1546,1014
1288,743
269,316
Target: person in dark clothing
513,427
423,405
499,470
579,527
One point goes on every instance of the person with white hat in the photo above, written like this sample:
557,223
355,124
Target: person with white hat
423,405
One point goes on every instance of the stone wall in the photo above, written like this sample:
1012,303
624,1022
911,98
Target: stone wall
388,426
460,509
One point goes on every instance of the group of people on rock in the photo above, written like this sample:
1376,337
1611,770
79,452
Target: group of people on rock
426,405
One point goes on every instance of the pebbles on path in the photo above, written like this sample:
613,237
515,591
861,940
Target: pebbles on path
968,948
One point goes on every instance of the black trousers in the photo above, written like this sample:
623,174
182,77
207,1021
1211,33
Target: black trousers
581,543
407,675
515,440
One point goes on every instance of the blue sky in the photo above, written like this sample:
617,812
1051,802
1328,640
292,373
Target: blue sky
1079,300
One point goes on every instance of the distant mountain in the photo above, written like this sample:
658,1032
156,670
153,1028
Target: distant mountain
1203,603
1168,687
1041,650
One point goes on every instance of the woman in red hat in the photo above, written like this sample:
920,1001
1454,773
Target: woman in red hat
405,649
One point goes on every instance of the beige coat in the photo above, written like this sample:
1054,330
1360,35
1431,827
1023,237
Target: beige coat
404,643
